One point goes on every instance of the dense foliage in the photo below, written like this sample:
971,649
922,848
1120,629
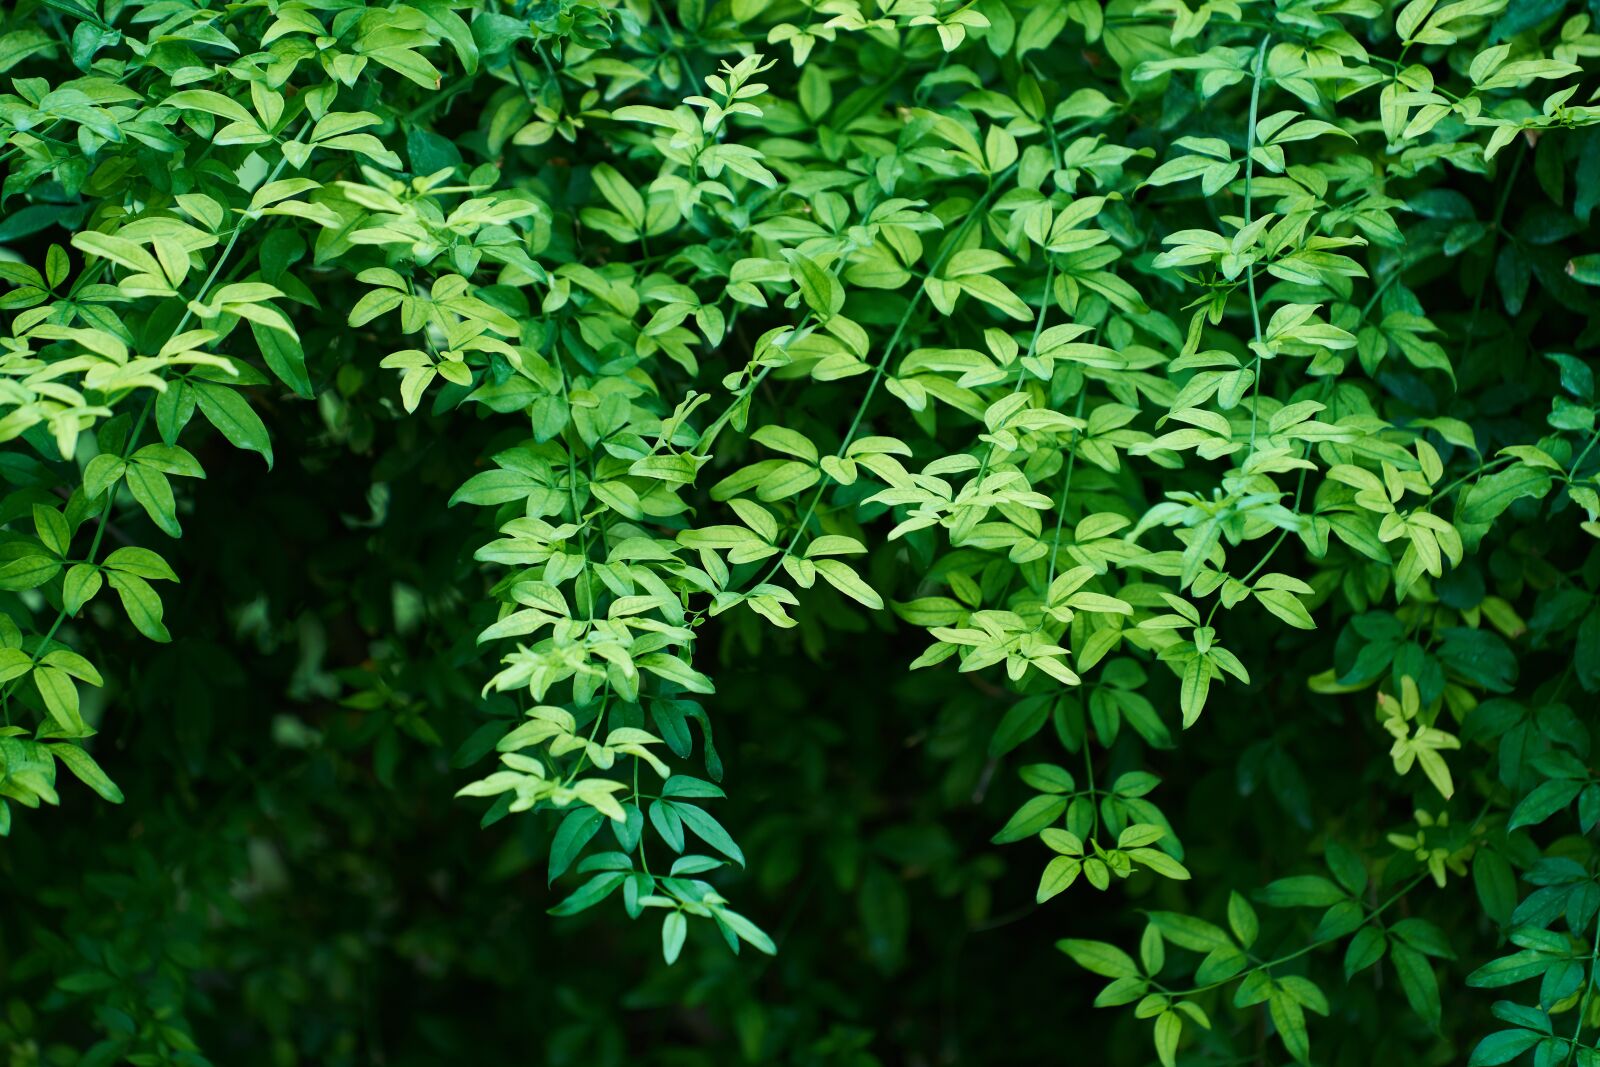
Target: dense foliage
868,493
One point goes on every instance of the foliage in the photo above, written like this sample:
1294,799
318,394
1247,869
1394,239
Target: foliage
1157,435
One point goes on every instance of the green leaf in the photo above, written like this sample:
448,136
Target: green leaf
102,473
1496,885
60,697
590,893
841,577
819,289
154,493
1058,876
1502,1046
1242,918
228,412
1493,493
119,250
1509,970
169,459
1195,685
664,817
211,102
14,663
81,764
1097,957
621,195
1543,802
786,441
1169,1027
747,931
1021,721
683,785
1346,867
1034,815
1366,948
1159,862
675,670
52,528
1303,891
141,603
451,26
74,664
131,559
28,572
79,587
577,829
1290,1022
284,357
1286,606
1585,270
1047,778
709,830
1423,936
674,929
1187,931
1418,981
494,32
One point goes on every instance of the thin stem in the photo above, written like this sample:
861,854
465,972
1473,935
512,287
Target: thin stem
881,367
950,245
1583,1002
1494,242
1283,535
1066,488
1022,375
644,862
438,98
1498,461
1249,196
594,731
1088,771
1377,294
711,431
672,42
717,424
1297,953
1577,463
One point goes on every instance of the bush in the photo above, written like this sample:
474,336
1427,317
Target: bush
1114,474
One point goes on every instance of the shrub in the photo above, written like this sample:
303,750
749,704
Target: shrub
1158,437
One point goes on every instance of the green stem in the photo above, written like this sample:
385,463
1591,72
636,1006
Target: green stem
1494,243
1249,195
1022,376
1583,1002
1593,437
950,245
594,731
1066,488
878,372
1498,461
1088,771
717,424
443,97
1297,953
689,74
